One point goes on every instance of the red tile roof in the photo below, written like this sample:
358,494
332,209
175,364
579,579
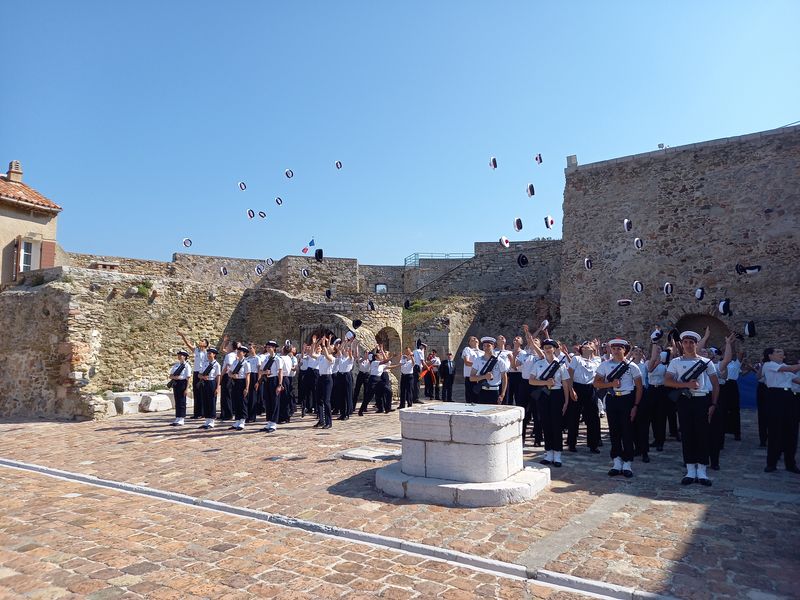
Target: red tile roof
21,193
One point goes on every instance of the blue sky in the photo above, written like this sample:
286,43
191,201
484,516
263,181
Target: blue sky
139,118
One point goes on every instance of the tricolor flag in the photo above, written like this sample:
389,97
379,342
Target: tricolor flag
306,248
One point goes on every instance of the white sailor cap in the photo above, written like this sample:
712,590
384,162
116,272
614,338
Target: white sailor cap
504,242
638,243
338,164
691,335
278,200
287,342
752,269
530,190
619,342
272,343
187,242
656,335
304,272
223,270
750,329
638,287
489,339
270,262
587,263
699,293
242,185
725,306
289,173
250,213
667,289
663,356
262,214
549,222
545,324
349,335
259,269
328,293
627,225
493,162
624,302
517,224
522,260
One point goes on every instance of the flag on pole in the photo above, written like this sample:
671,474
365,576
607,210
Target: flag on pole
306,248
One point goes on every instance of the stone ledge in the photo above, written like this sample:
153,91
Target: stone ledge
518,488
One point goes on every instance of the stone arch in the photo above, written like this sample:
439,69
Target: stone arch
698,322
389,339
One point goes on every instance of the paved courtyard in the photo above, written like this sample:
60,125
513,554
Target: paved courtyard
737,539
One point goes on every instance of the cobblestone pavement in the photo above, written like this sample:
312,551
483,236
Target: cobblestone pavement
733,539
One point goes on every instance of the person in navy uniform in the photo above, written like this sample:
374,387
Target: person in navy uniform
240,387
179,378
780,407
210,378
199,364
447,374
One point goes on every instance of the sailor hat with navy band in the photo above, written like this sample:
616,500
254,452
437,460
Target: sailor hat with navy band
690,334
619,342
489,339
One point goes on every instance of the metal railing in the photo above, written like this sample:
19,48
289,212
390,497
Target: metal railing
412,260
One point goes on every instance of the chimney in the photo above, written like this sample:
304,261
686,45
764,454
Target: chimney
572,161
14,171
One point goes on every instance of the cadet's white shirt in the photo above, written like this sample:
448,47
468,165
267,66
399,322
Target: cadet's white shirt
273,368
626,383
406,365
469,353
312,362
254,363
505,356
363,365
734,370
521,355
500,367
774,378
200,360
419,357
286,365
642,364
295,363
345,364
678,366
215,370
656,376
229,361
376,368
583,369
436,362
720,378
559,377
325,365
184,373
262,358
304,363
243,372
527,367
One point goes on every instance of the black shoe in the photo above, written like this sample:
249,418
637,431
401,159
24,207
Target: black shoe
660,447
645,458
770,469
360,413
793,469
594,450
687,480
556,464
573,449
544,461
614,472
627,473
715,466
390,410
418,402
317,424
327,426
705,482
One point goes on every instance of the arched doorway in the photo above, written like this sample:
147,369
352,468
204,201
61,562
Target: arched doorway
699,322
389,339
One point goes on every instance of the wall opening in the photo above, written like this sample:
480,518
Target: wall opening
389,339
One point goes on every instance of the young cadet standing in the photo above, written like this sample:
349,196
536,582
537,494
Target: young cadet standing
695,379
659,399
363,376
325,361
516,357
240,387
622,382
210,378
781,410
490,372
344,372
468,354
198,365
225,405
270,378
285,398
406,379
729,398
419,364
254,362
582,370
179,377
552,376
435,363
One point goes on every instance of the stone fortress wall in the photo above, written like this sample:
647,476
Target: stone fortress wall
108,323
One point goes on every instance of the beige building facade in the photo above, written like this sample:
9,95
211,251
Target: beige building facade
27,227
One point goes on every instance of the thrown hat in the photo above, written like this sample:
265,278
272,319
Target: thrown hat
587,263
212,349
250,213
421,344
318,254
183,353
407,304
338,164
304,272
287,342
328,293
337,341
699,293
619,342
739,269
725,307
663,356
187,242
750,329
752,269
668,289
517,224
550,342
493,162
545,324
262,214
504,241
549,222
270,262
713,350
624,302
259,269
627,225
242,185
690,334
638,287
356,323
371,305
223,270
530,190
278,201
289,173
538,159
488,338
656,335
349,335
522,260
638,243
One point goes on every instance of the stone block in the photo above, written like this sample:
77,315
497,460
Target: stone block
391,480
514,450
127,404
488,428
465,462
430,489
111,408
413,461
430,425
155,403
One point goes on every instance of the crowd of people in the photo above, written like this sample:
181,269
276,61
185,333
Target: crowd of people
681,386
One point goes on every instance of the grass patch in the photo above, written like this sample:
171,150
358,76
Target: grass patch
144,289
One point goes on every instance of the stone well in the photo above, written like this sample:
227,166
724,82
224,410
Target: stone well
462,455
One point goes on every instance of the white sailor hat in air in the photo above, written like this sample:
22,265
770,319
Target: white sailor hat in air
370,305
725,307
667,289
638,287
262,214
619,342
287,342
318,254
304,272
545,324
356,323
278,201
407,303
522,260
504,241
624,302
752,269
242,185
517,224
690,334
549,222
739,269
656,335
699,293
259,269
489,339
338,164
587,263
187,243
223,270
289,173
530,190
627,225
349,335
328,293
638,243
270,262
250,213
493,162
750,329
